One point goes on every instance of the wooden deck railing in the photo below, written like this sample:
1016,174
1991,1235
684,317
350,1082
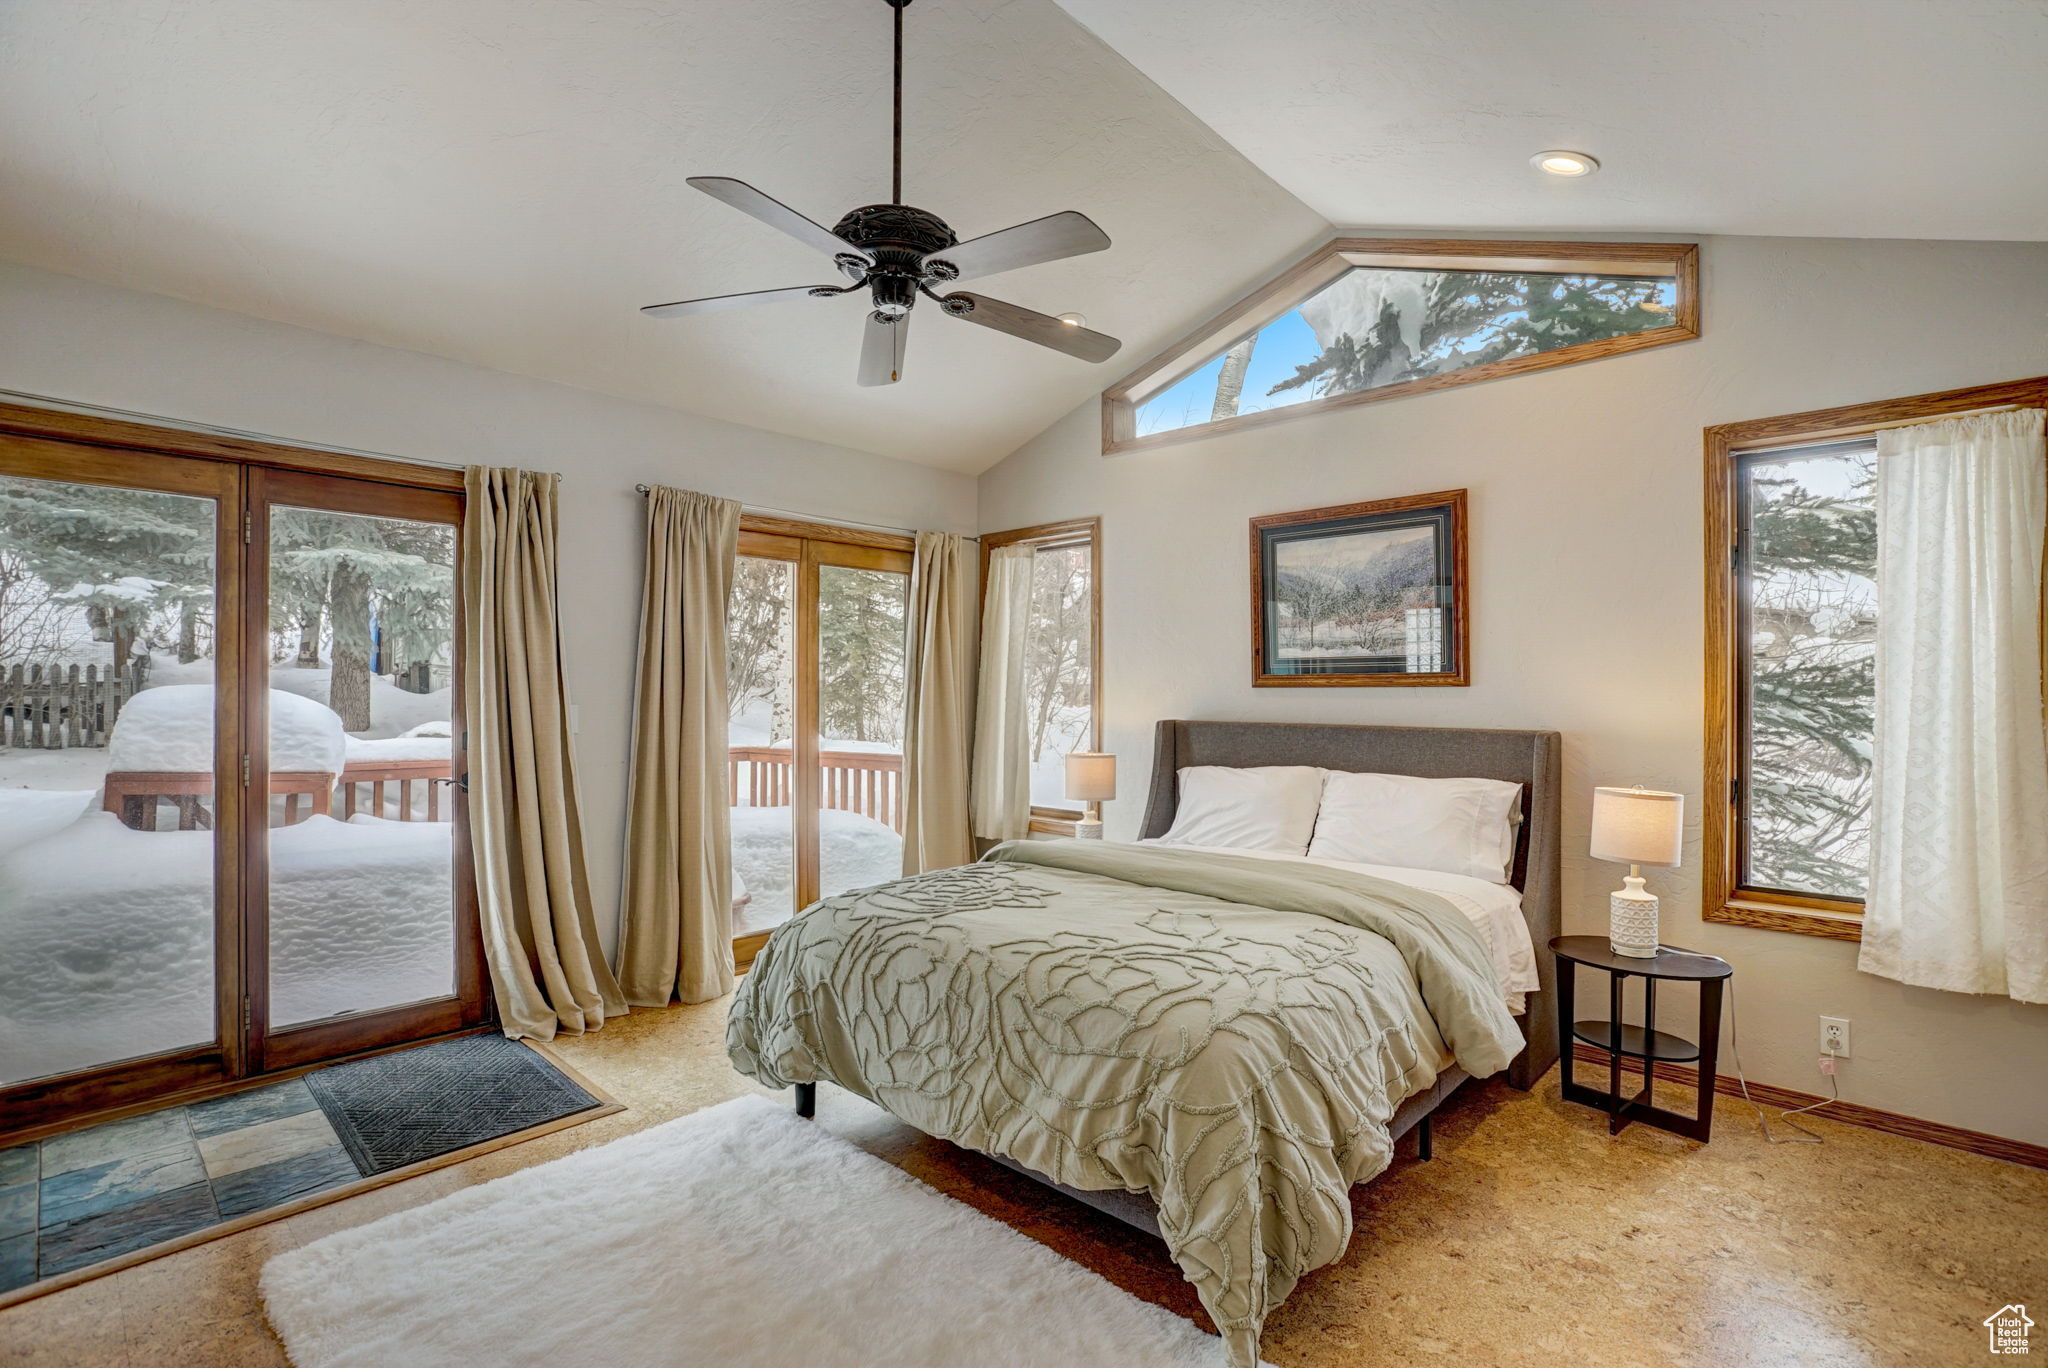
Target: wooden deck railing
849,781
360,787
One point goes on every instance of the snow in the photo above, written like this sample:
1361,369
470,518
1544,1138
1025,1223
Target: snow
398,748
30,815
170,730
393,711
857,852
78,767
126,589
109,932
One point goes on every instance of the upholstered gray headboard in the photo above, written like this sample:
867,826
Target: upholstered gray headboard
1529,758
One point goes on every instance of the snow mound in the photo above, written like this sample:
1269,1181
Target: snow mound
856,852
170,730
30,814
393,711
108,934
408,747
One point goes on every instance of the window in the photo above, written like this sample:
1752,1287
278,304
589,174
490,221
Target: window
815,673
1791,658
1805,563
1062,686
1365,319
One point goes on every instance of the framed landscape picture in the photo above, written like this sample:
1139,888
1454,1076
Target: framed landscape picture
1362,594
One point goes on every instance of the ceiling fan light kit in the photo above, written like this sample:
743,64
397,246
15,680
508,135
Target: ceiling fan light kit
897,252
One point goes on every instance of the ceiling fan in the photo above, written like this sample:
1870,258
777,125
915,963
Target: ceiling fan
897,252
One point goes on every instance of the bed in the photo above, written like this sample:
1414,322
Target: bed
1215,1047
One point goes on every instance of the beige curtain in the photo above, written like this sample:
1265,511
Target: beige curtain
677,937
525,824
939,704
1002,761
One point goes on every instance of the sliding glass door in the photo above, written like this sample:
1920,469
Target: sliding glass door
361,932
816,674
230,834
117,599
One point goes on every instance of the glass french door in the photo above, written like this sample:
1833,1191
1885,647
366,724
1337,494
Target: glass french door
360,928
816,676
230,837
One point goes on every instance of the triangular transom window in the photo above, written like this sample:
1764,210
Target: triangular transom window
1365,319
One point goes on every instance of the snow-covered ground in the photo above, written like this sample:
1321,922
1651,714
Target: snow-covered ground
1067,731
108,932
857,851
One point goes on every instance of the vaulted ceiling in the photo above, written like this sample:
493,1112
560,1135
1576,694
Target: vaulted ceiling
1823,118
502,181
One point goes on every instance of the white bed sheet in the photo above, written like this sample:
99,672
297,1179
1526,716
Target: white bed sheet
1495,909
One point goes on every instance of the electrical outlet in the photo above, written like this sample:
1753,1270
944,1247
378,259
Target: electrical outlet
1834,1036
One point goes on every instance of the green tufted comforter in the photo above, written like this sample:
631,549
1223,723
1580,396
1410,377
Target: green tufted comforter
1229,1035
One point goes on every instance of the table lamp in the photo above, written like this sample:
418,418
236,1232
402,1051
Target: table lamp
1636,827
1091,780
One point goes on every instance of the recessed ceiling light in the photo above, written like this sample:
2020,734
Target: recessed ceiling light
1559,163
1073,320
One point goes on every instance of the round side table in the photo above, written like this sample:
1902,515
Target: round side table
1644,1043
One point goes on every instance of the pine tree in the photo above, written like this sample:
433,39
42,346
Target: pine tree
360,571
1475,317
1813,564
119,556
860,654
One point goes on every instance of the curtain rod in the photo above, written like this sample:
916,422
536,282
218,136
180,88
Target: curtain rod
1941,418
817,517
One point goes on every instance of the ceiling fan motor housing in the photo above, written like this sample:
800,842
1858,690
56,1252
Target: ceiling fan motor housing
899,237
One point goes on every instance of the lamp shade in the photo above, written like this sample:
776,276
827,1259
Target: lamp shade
1637,826
1091,776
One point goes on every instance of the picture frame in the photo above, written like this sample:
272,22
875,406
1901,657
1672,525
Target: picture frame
1362,595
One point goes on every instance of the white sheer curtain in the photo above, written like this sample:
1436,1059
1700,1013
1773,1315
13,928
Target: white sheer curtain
1002,763
1959,821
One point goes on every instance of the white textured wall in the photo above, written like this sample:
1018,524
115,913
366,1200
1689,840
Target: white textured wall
101,344
1586,562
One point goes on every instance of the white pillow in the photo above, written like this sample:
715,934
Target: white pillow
1268,807
1454,826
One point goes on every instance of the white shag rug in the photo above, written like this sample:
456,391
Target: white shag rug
740,1237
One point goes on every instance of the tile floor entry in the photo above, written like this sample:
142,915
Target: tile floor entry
94,1194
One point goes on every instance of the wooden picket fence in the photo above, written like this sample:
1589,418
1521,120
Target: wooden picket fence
53,707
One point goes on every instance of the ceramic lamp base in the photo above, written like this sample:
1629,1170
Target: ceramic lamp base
1632,920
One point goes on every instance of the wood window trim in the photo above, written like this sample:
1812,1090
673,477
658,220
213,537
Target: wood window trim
1064,821
1722,898
1197,348
90,430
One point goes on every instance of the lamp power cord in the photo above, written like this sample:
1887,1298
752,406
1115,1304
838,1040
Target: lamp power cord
1803,1136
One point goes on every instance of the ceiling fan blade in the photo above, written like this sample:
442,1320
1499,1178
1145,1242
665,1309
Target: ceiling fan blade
1048,239
881,350
776,214
718,303
1033,326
